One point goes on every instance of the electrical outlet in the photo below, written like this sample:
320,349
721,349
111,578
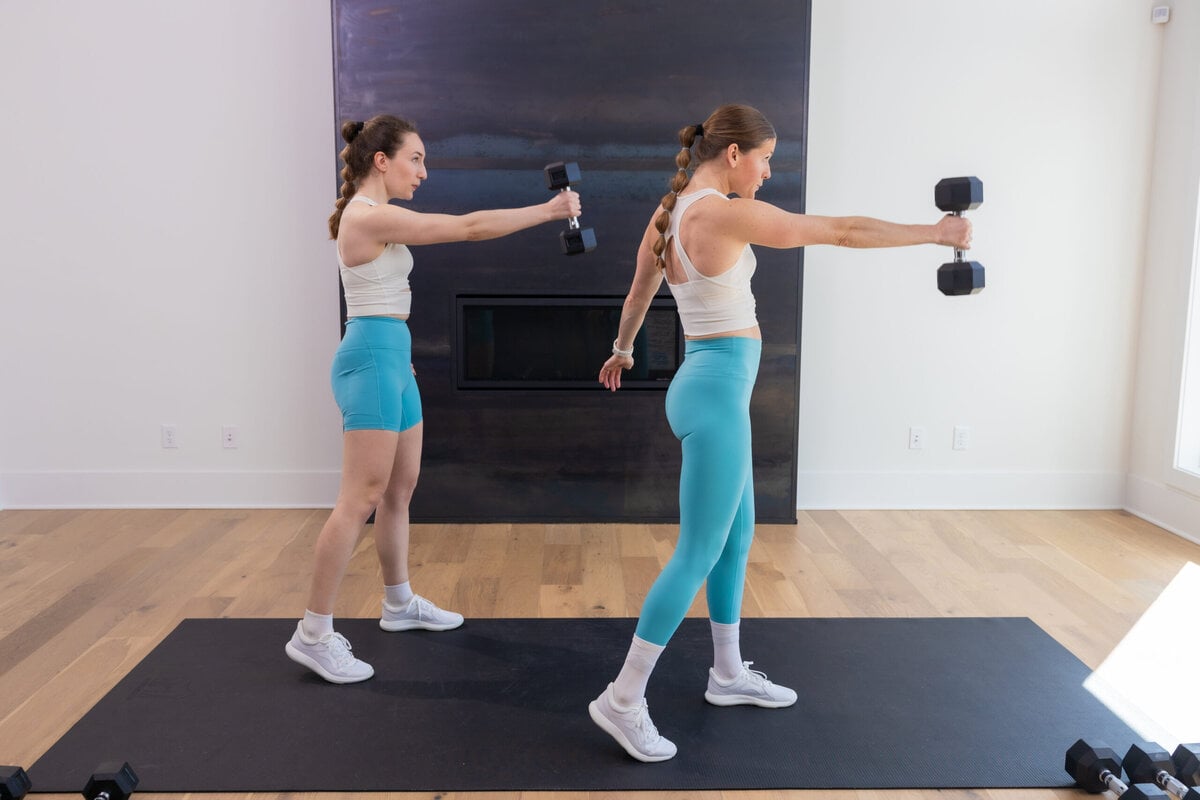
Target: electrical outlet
1160,15
962,437
170,437
229,437
916,438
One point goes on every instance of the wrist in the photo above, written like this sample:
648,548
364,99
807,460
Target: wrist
617,351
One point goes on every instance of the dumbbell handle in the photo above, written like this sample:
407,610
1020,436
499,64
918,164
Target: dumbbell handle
1169,782
1114,784
958,254
573,221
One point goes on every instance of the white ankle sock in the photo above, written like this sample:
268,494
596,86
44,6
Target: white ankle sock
727,649
399,595
630,686
315,626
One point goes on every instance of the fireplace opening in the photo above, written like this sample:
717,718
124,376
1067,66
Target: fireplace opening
531,342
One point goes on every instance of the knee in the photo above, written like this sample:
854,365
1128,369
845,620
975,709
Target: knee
400,491
360,501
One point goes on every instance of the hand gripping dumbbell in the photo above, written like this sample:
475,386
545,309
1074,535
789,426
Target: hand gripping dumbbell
112,780
1095,769
954,196
1152,765
575,240
14,783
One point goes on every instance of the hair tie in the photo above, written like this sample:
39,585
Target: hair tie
358,127
699,130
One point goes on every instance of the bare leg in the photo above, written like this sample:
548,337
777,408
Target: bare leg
367,459
391,515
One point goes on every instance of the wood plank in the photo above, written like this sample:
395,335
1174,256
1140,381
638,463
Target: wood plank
71,626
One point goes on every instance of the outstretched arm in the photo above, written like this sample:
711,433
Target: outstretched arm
646,281
764,224
389,223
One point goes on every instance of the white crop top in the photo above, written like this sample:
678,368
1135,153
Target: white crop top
711,305
379,286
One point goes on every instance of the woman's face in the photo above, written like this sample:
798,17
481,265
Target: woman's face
753,169
406,169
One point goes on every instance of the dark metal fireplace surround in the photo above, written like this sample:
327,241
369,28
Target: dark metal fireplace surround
509,334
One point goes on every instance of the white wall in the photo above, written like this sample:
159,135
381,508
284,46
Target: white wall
1157,490
1051,105
164,259
169,171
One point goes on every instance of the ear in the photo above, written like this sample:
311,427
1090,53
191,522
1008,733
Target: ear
380,161
731,154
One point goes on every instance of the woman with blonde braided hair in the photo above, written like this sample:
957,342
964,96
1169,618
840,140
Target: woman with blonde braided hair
699,240
373,380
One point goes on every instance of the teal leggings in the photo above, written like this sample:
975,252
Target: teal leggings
708,407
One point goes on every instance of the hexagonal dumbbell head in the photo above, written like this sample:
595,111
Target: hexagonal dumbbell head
1145,791
960,277
113,780
577,240
1142,764
14,783
1086,762
560,175
1187,763
958,194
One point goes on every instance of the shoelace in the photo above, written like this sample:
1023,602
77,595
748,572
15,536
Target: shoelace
339,648
424,608
754,676
643,724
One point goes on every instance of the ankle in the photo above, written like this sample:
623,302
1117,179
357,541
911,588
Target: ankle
314,625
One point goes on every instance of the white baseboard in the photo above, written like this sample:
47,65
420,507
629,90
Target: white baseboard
960,490
40,490
1165,506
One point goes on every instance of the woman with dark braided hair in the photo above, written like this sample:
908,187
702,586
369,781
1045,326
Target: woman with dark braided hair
373,381
699,241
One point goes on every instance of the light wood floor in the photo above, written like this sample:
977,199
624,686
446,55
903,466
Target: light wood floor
87,594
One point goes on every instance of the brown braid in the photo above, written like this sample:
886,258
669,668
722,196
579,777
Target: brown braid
730,124
383,133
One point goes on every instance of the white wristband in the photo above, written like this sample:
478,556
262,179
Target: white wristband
617,351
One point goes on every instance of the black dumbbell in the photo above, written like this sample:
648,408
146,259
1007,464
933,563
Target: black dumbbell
954,196
112,780
14,783
1095,769
1187,763
1152,764
575,240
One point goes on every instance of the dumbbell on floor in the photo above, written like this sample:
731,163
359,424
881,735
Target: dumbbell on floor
954,196
1096,769
14,783
1187,763
1152,764
112,780
575,240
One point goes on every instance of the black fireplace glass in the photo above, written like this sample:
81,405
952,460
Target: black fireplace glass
506,342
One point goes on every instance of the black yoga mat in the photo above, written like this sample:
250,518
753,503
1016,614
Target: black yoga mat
501,704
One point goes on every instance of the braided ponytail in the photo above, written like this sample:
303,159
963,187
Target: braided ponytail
742,125
383,133
687,137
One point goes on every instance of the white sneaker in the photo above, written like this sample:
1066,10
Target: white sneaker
749,688
419,613
329,657
632,728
